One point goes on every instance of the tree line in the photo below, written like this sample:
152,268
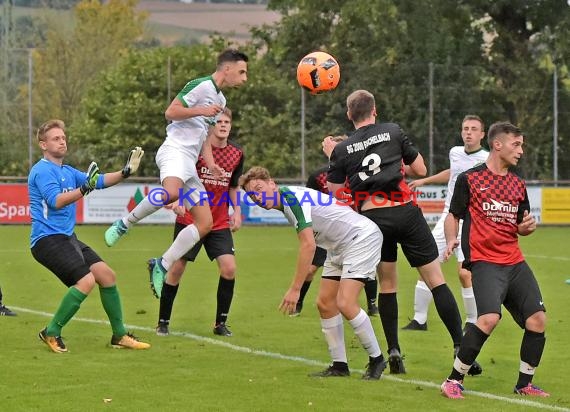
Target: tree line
494,58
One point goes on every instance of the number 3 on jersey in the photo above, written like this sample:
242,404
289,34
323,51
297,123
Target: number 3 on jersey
372,162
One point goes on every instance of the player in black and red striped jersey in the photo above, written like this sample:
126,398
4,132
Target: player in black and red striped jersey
218,242
318,181
493,203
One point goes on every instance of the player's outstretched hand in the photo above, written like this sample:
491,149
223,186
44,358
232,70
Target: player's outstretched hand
133,162
92,177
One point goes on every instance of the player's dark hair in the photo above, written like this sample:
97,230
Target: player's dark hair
47,126
360,105
474,117
231,56
500,128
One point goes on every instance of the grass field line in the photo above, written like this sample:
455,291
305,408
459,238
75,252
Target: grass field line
306,361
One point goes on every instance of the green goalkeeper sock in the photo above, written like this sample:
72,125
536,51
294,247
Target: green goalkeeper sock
112,304
68,307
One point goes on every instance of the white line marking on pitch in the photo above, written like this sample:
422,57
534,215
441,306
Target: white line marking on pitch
299,359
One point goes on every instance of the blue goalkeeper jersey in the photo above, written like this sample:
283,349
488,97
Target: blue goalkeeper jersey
46,181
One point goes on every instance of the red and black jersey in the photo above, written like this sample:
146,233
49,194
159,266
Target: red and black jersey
373,159
231,159
491,207
318,180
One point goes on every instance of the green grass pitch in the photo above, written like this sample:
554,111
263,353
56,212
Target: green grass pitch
264,366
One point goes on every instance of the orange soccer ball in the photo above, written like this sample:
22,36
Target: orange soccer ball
318,72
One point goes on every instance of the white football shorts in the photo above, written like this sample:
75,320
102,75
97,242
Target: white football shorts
359,260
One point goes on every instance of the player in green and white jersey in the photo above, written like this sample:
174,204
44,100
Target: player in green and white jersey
353,244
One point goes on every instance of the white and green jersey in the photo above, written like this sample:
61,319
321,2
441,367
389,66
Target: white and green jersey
459,162
189,134
335,226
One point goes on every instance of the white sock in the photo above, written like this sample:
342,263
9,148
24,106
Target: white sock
363,329
333,330
143,209
422,299
470,305
185,241
526,368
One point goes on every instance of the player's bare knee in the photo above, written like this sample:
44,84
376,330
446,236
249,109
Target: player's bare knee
86,283
488,322
536,322
228,272
465,278
326,306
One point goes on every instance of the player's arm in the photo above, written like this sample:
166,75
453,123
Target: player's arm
451,229
441,177
526,221
457,210
50,190
208,156
235,219
307,248
417,168
179,110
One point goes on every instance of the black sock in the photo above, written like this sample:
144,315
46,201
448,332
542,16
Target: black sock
304,290
471,345
371,289
388,310
166,301
225,295
532,347
448,311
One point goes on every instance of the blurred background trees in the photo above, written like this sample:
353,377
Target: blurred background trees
428,64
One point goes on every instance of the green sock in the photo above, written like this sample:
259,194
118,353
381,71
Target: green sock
112,304
68,307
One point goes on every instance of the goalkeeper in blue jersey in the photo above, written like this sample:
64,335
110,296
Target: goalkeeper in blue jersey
54,188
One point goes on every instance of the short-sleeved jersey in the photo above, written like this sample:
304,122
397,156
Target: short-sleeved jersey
491,207
459,162
373,159
189,134
231,159
335,226
45,182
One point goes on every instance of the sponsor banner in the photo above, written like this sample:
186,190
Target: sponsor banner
253,214
106,206
548,205
556,205
14,203
431,199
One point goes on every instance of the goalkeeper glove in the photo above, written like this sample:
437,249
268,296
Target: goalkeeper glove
92,177
133,162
